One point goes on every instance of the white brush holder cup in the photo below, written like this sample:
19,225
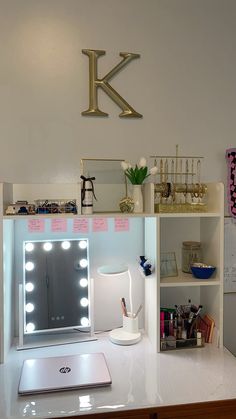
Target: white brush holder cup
130,324
128,334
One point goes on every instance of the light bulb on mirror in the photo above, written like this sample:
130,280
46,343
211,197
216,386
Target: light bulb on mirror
47,246
29,307
83,263
29,247
83,282
65,245
30,327
29,287
29,266
84,302
84,321
83,244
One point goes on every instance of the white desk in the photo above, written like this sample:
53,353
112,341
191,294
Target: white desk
140,378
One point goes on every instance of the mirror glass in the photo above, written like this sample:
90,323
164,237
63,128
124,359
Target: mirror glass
56,285
110,184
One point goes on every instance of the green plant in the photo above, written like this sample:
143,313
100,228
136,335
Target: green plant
139,172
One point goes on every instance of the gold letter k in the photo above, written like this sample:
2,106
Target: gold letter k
94,83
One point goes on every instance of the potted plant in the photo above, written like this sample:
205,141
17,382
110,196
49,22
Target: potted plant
137,175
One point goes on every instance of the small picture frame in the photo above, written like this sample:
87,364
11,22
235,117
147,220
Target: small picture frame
168,266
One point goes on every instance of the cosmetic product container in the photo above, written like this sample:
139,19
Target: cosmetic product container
199,339
191,253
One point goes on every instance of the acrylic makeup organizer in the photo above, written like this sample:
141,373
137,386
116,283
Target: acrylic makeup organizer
169,342
178,186
181,327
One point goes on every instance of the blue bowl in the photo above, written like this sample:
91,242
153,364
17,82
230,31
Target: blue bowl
202,271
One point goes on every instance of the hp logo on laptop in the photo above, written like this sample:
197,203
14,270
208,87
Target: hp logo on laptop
65,370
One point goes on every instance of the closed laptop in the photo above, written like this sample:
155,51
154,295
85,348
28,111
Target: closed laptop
42,375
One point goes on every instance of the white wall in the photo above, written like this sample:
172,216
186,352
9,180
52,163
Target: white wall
184,84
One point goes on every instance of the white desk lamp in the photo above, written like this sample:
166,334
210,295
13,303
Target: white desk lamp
128,334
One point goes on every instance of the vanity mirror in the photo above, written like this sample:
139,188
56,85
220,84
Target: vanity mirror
55,286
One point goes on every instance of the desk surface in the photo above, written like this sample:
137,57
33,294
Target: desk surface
140,378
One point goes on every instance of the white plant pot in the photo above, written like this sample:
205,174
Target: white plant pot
138,198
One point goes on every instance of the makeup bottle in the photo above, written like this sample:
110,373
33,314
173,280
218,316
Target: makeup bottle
163,342
184,334
199,339
171,325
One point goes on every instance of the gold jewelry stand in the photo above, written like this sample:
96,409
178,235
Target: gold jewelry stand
178,187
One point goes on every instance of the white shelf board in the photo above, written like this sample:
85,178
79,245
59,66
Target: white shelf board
187,280
188,214
37,216
70,215
115,214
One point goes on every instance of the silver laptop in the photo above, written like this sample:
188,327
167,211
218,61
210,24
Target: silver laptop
42,375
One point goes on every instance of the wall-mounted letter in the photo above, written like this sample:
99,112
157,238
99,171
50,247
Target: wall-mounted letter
94,83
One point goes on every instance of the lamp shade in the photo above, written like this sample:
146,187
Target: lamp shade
112,269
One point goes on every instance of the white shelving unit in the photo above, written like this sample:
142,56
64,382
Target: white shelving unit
168,232
162,232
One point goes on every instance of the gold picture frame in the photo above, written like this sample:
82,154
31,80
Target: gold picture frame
110,184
